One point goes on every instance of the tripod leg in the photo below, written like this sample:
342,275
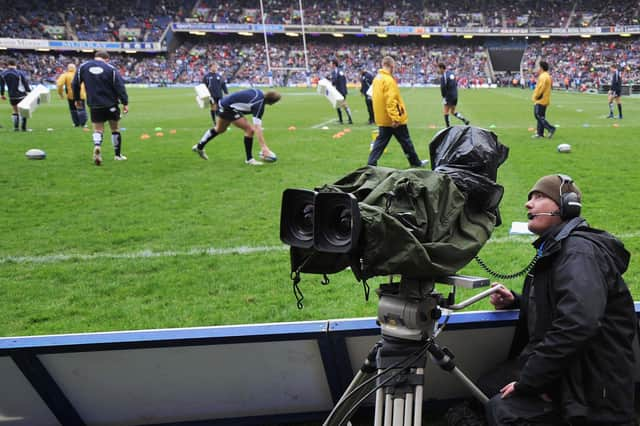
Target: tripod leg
408,409
388,410
343,407
398,412
417,417
377,420
477,393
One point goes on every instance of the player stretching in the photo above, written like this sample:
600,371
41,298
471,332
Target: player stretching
231,109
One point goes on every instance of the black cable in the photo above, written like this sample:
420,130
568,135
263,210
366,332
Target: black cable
507,276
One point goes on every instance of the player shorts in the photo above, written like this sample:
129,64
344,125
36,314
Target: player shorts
228,114
101,115
615,93
451,101
15,101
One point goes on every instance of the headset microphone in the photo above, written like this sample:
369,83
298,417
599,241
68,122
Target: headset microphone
532,215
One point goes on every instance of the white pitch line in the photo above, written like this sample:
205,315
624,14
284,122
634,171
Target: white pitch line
212,251
317,126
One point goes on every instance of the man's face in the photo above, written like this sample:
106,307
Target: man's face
540,203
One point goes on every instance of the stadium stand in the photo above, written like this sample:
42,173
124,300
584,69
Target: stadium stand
146,20
576,63
584,63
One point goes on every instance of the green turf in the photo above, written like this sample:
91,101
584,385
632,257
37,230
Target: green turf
168,240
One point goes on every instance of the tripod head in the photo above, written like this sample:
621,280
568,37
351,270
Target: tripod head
410,309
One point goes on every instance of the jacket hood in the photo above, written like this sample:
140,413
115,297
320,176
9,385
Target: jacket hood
612,248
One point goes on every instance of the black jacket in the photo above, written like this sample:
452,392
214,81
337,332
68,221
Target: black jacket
366,78
339,81
17,84
216,85
581,352
103,83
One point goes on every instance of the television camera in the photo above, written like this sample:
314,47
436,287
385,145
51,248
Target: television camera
421,225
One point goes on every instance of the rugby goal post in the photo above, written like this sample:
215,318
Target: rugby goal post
270,67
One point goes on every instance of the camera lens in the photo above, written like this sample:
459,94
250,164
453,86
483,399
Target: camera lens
296,217
336,227
302,224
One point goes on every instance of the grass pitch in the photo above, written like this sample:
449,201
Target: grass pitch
166,239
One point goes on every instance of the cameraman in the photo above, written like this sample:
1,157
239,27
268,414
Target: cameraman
572,350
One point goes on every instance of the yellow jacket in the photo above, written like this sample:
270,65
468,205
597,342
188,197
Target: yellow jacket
542,93
64,82
388,105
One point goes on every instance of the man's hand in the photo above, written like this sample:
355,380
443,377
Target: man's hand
4,98
508,390
395,124
78,104
125,109
502,298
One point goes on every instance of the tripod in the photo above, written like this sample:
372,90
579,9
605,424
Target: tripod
394,368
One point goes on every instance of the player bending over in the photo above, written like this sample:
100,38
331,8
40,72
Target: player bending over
231,110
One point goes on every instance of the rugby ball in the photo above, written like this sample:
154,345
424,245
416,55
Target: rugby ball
270,158
564,148
36,154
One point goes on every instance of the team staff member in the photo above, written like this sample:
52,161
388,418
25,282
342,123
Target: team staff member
572,349
542,98
63,84
366,78
217,88
615,91
17,88
449,92
339,81
391,116
105,91
231,110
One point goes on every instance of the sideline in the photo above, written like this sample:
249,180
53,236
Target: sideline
213,251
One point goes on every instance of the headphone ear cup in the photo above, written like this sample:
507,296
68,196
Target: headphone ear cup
570,205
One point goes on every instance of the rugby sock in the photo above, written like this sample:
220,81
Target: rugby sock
24,123
248,146
16,121
208,135
460,117
348,110
611,108
446,120
116,140
97,139
620,110
339,114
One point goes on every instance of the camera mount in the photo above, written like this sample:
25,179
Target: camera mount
408,314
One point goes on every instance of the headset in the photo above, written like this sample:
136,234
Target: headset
570,205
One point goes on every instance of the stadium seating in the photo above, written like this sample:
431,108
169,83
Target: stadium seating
146,20
584,63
